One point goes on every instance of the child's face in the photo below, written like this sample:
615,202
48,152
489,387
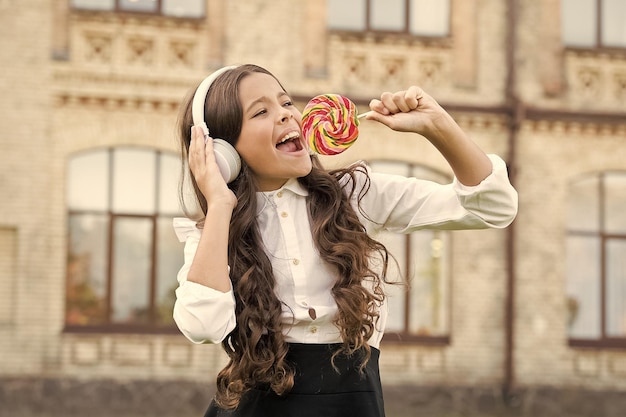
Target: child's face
269,117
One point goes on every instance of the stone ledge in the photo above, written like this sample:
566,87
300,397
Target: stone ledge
52,397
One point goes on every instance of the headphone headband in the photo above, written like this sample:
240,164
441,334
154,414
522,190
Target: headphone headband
226,156
197,107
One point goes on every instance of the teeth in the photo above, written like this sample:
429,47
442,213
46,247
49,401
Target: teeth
291,135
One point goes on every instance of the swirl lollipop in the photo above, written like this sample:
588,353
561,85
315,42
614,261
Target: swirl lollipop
330,124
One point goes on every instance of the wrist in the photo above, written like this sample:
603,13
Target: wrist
220,208
444,128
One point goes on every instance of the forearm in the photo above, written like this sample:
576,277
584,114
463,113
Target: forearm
413,110
210,263
468,162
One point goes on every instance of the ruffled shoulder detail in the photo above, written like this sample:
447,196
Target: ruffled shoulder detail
185,228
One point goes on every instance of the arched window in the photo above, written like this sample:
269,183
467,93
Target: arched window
123,255
421,311
596,260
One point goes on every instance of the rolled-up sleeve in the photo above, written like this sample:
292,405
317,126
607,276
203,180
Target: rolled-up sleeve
203,314
403,205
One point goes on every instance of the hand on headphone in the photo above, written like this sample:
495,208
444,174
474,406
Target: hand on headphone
206,172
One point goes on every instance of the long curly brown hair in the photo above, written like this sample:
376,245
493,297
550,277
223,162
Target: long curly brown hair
256,347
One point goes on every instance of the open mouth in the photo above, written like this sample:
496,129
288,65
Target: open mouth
290,143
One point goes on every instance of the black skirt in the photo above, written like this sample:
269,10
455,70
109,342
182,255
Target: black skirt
319,390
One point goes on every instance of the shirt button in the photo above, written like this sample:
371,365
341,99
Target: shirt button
296,261
284,214
279,194
313,329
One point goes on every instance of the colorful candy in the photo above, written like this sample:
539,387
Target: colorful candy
330,124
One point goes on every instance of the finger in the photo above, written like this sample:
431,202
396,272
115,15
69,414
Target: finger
197,155
196,144
389,102
378,107
399,99
412,97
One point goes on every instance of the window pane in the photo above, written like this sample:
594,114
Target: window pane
614,23
94,4
183,8
132,239
134,177
616,288
583,287
88,181
578,22
346,14
387,15
429,289
583,208
169,174
430,17
139,5
169,260
428,274
615,203
86,266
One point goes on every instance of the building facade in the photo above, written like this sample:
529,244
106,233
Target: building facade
529,320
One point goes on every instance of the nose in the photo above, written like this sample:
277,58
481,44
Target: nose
285,115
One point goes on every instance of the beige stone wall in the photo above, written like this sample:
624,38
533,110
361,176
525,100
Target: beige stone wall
28,286
552,155
117,80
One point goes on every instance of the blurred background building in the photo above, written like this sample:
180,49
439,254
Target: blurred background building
530,320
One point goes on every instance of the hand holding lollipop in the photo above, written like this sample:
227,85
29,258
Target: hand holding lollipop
330,124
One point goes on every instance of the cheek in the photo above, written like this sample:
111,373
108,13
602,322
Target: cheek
252,155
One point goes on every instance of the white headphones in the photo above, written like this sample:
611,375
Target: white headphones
226,156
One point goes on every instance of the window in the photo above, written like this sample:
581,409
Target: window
417,17
123,255
421,311
596,260
594,23
175,8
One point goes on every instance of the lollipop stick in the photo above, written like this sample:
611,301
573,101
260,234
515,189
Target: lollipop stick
360,116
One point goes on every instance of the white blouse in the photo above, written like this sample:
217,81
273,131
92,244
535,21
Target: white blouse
303,280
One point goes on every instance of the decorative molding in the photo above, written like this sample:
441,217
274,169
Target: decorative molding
181,54
129,352
86,351
571,127
596,81
98,47
587,365
177,355
120,103
140,50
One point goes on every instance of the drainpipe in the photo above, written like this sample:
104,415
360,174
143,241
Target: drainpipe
516,110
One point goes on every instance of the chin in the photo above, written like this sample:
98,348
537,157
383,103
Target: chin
305,169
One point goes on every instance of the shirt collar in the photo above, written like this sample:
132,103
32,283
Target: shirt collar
292,185
295,187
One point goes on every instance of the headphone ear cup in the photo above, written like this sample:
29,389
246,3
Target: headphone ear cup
227,159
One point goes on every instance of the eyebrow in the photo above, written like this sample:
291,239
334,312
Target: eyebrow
264,99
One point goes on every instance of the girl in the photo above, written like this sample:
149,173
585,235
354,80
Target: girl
281,268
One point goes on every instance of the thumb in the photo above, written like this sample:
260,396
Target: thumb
378,117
